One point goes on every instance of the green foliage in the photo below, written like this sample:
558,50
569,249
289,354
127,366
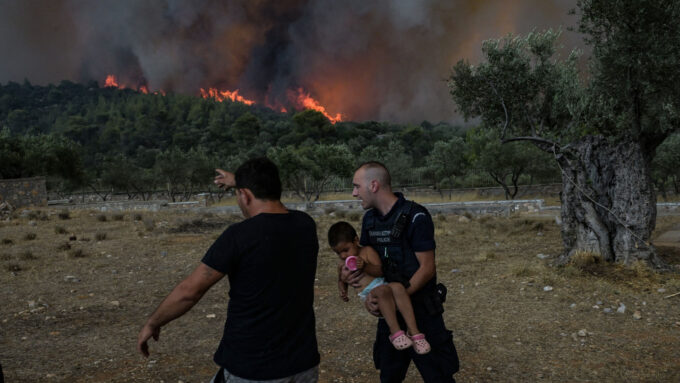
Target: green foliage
307,169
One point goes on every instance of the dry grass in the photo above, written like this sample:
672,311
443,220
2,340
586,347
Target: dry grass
507,327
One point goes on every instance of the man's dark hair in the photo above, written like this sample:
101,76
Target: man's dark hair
261,176
341,232
382,172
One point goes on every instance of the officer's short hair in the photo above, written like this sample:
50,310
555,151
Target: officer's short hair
382,174
341,232
261,176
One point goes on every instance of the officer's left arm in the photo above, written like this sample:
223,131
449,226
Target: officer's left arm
425,272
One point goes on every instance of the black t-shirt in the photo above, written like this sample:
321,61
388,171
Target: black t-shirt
270,260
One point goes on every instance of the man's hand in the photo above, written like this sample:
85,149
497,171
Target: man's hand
224,179
371,305
145,333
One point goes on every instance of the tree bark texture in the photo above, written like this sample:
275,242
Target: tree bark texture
608,201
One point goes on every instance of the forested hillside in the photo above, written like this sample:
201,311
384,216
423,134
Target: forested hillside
85,137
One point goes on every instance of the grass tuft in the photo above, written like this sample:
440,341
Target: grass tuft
64,215
7,241
64,246
77,253
27,256
100,236
118,217
30,236
101,218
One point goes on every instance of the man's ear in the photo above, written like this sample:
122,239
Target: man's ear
374,186
247,196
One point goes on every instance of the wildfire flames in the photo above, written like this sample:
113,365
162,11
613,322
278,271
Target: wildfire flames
298,99
112,82
221,95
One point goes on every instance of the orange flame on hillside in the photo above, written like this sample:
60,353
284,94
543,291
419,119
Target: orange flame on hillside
299,99
304,100
221,95
111,82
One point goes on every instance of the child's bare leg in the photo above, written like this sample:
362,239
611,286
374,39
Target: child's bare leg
387,307
405,307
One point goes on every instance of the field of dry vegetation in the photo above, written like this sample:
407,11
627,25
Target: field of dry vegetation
76,288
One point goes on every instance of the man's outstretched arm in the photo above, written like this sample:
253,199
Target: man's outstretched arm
182,298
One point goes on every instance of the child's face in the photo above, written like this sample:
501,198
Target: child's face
345,249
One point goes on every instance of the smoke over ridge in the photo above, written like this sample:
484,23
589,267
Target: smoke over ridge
379,59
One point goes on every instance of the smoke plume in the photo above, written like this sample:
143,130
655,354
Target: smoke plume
379,59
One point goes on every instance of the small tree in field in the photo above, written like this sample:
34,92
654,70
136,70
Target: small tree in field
604,131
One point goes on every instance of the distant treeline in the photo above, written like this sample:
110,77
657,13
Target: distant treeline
84,137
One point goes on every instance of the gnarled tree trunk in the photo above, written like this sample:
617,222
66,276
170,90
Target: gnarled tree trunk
608,201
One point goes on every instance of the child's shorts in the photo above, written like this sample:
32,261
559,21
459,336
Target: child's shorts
374,283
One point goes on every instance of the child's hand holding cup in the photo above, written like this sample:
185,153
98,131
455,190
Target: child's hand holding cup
354,263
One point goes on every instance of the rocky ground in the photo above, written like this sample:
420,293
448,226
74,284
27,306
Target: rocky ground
77,287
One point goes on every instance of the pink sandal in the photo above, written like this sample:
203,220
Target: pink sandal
401,341
420,344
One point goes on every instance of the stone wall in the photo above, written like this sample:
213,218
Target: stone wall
24,192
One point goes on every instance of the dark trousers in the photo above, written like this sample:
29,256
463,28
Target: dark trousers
438,365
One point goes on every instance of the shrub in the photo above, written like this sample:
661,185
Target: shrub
64,214
101,217
118,217
77,253
100,236
64,246
7,241
30,236
585,259
354,216
13,267
28,256
60,230
137,217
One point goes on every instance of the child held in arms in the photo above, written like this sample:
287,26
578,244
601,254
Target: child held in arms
344,241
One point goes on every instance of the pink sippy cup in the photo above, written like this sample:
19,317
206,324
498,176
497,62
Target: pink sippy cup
351,262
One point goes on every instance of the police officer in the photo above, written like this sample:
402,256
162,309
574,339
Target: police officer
402,232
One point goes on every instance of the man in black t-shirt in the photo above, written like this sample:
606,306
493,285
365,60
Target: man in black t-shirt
270,259
402,232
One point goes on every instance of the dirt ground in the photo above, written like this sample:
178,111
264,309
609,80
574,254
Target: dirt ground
71,308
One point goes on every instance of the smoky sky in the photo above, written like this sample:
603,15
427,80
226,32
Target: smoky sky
369,60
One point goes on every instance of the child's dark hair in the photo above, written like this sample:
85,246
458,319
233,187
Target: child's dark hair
341,232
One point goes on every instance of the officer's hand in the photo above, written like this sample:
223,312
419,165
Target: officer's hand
353,277
371,305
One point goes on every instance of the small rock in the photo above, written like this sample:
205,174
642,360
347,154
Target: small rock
540,234
542,256
607,310
596,307
573,306
621,309
31,304
71,278
637,315
115,303
32,223
489,368
547,288
661,290
582,333
463,219
455,270
210,316
598,303
164,253
50,375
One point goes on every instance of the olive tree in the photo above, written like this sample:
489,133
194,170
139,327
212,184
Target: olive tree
602,128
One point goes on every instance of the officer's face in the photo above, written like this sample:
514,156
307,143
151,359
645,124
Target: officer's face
361,189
